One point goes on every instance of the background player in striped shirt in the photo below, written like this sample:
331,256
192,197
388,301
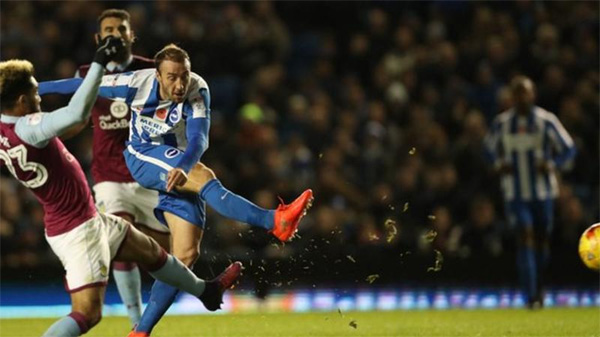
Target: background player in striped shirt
115,191
85,241
527,144
169,132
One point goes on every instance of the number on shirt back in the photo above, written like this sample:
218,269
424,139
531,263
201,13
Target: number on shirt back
20,154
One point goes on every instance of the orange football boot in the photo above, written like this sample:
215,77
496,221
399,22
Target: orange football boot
287,217
134,333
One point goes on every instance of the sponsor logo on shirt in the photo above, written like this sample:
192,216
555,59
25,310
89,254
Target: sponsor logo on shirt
68,155
152,126
106,123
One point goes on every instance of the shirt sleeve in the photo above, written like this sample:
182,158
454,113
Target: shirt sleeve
113,86
561,141
197,128
37,129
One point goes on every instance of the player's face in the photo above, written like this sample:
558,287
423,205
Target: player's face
31,101
112,26
174,79
524,96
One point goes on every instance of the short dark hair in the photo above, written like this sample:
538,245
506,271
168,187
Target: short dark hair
114,13
15,80
520,81
170,52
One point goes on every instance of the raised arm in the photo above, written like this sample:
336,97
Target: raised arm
37,129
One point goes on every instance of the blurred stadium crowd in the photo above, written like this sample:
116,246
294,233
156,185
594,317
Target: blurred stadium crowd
381,108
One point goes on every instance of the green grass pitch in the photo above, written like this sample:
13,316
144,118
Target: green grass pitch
548,322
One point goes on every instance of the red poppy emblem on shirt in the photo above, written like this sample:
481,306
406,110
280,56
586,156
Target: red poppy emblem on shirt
161,114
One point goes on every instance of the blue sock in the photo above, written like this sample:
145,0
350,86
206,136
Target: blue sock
527,271
161,298
235,207
542,260
543,254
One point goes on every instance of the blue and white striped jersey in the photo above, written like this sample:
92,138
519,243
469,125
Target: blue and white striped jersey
156,121
524,142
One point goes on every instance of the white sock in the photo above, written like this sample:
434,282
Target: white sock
176,274
64,327
129,284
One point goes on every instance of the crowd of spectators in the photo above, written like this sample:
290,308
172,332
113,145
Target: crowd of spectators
380,108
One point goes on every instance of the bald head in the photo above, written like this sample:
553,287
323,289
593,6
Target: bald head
523,92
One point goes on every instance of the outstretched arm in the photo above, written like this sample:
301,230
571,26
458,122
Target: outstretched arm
112,86
37,129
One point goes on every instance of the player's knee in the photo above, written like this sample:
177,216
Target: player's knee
93,316
202,174
188,255
155,251
123,266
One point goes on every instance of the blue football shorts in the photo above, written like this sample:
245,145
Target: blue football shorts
149,165
536,215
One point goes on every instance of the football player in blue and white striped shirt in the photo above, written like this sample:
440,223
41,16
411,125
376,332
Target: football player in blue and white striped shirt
169,128
527,144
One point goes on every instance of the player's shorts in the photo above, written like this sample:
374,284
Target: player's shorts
87,250
536,215
149,165
131,199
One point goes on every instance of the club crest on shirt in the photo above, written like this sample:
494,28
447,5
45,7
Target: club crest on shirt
118,109
171,153
103,270
174,116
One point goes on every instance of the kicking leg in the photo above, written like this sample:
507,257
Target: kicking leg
282,222
202,181
86,313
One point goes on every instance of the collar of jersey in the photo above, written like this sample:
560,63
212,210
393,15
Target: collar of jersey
9,119
113,66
